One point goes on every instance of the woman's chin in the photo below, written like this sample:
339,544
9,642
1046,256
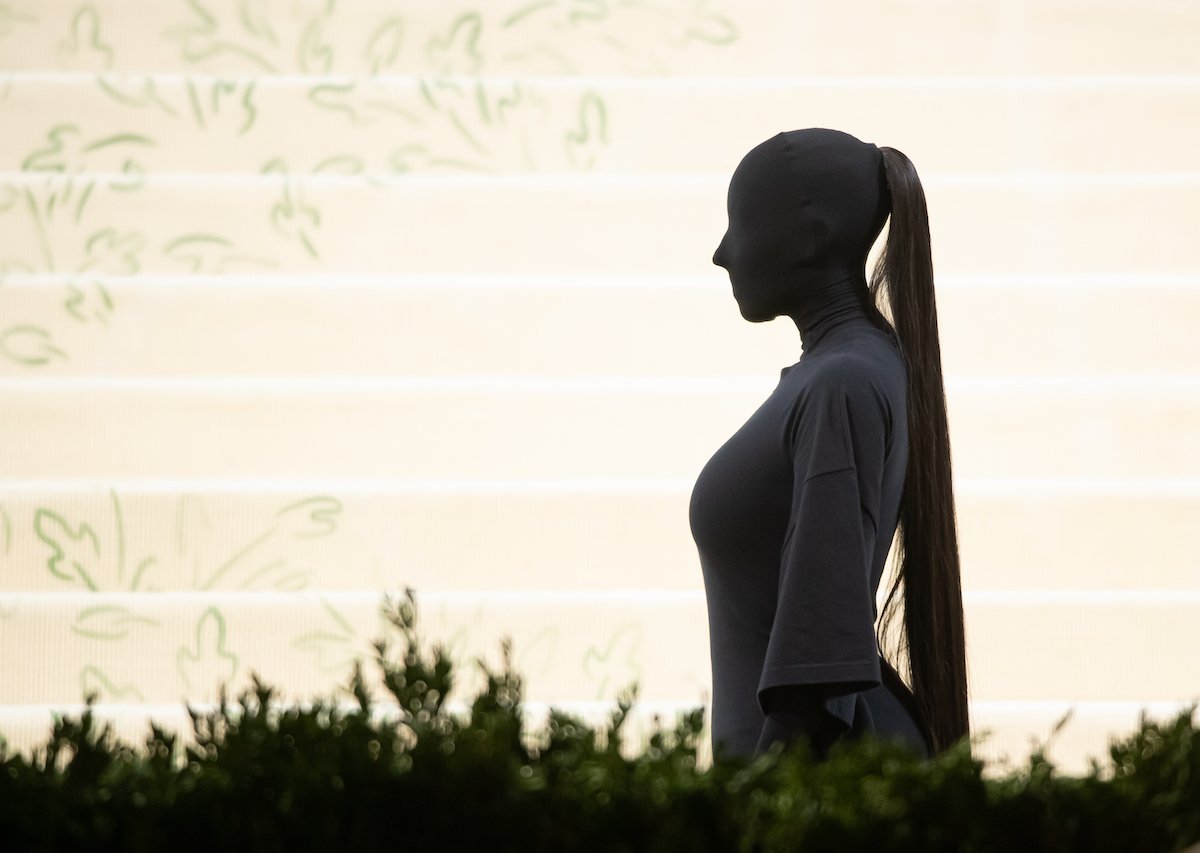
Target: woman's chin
753,315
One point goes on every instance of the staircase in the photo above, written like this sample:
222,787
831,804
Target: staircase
304,302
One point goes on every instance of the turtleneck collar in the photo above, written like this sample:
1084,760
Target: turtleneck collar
832,298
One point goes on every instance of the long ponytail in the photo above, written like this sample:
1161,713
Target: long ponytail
927,538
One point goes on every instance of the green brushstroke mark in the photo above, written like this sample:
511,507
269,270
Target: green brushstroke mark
53,160
400,160
10,197
587,10
462,41
118,138
323,97
383,46
342,621
240,554
198,40
467,135
305,519
189,240
67,545
83,198
584,143
190,248
92,675
142,566
194,101
526,11
620,654
85,33
430,100
482,103
341,164
223,87
248,106
320,510
316,93
311,55
137,177
288,216
332,648
512,103
289,582
725,31
147,97
108,243
208,650
77,301
7,528
29,345
120,524
40,227
260,28
34,159
107,622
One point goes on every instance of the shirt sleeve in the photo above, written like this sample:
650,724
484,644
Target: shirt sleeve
823,630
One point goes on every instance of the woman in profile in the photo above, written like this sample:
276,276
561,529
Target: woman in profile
794,515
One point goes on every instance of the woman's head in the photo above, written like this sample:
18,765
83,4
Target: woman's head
804,209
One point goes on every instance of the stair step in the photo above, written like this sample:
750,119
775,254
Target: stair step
447,326
161,647
504,429
666,37
205,124
238,535
531,224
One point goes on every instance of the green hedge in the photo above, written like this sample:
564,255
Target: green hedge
263,776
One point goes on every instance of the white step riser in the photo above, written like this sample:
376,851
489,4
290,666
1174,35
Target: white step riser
550,224
558,328
566,649
202,124
621,539
497,432
671,37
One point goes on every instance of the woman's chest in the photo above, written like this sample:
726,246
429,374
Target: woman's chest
742,496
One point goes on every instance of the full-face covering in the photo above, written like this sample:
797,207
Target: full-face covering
804,209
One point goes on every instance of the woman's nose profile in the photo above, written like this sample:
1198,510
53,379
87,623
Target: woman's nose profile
718,258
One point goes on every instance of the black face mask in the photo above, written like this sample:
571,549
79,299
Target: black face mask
804,209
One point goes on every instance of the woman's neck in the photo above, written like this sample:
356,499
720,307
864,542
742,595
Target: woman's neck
832,298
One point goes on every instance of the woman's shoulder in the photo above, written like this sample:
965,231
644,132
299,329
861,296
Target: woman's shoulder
869,362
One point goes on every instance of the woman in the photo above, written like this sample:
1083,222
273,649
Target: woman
794,515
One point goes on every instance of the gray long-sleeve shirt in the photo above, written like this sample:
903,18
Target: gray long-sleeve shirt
793,518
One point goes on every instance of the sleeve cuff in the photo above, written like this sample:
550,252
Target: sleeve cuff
843,681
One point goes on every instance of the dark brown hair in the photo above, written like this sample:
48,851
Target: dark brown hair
927,538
